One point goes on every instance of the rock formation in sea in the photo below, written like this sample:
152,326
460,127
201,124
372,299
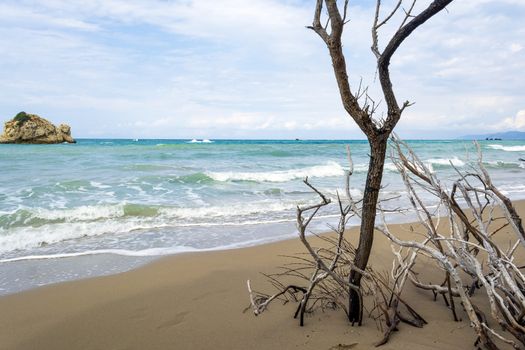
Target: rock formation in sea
30,128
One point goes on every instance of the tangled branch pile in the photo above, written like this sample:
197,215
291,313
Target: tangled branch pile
460,237
467,249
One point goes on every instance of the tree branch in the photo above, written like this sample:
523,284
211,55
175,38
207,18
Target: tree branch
383,62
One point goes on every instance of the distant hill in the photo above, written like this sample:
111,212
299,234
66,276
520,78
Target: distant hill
507,135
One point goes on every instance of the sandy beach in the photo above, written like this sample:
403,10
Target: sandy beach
196,301
160,158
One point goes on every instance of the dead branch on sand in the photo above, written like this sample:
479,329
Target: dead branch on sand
460,238
465,248
325,271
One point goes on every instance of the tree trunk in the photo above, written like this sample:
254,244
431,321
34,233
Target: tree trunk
366,234
376,133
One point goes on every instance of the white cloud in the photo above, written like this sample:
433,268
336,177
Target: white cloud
514,123
16,15
250,68
515,47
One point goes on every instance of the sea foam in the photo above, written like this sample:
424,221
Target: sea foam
328,170
159,251
123,252
455,161
33,227
36,217
508,148
200,141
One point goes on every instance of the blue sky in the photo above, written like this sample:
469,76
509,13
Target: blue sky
250,69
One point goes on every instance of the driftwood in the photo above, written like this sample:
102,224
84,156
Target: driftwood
325,272
466,249
460,239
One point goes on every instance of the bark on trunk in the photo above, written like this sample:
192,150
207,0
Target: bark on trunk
366,232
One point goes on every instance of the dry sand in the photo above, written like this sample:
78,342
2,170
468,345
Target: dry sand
196,301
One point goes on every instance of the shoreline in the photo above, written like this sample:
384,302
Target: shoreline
26,271
196,301
140,199
36,271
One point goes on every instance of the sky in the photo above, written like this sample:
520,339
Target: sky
251,69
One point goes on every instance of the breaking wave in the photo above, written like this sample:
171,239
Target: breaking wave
328,170
200,141
446,161
508,148
33,227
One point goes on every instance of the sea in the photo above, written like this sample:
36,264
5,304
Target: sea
103,206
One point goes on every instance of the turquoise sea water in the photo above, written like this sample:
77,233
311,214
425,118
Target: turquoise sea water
141,198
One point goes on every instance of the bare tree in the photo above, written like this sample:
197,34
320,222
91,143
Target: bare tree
362,108
325,272
478,245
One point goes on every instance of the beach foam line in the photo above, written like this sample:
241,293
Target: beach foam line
17,237
507,148
25,238
36,217
330,169
163,251
123,252
150,252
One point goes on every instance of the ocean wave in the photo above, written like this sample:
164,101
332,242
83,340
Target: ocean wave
74,185
36,217
503,165
330,169
64,225
280,153
455,161
334,193
195,178
508,148
33,227
147,167
23,241
235,210
200,141
95,184
512,189
28,237
362,167
388,166
431,164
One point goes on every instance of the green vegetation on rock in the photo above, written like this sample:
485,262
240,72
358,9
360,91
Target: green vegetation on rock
21,118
